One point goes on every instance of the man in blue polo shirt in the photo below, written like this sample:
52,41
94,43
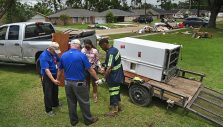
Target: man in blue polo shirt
114,75
48,65
75,63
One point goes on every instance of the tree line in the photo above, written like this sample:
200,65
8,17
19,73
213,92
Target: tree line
26,11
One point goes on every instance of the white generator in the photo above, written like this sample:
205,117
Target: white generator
151,59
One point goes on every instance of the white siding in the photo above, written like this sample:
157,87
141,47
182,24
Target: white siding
129,19
100,20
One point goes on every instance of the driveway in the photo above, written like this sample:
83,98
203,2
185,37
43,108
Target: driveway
103,32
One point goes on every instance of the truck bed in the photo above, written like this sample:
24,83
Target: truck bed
178,89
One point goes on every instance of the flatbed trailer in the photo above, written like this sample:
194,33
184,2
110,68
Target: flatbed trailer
151,70
182,90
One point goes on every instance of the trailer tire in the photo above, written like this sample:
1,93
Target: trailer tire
140,95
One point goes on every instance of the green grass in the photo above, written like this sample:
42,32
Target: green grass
22,106
21,96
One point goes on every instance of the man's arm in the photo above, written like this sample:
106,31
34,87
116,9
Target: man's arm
59,73
107,72
93,73
49,74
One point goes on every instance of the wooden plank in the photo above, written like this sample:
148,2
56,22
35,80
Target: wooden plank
62,39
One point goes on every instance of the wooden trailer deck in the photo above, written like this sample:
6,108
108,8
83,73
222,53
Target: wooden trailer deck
178,89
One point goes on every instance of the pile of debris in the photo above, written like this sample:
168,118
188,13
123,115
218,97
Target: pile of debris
161,27
98,27
197,33
146,29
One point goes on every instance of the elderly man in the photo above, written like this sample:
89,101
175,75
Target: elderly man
48,65
74,63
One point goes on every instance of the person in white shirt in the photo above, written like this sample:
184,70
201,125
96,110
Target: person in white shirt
93,56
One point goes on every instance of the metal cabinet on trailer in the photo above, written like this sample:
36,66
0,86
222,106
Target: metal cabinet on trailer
151,59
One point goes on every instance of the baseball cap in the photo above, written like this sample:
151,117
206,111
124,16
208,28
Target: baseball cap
75,41
55,46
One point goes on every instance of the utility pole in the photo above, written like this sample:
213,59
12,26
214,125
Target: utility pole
198,8
145,7
189,4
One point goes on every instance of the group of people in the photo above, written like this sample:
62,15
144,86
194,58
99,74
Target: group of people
80,67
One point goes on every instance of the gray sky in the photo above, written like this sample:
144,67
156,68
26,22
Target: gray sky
148,1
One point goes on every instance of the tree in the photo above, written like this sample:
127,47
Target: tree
64,18
103,5
74,3
166,4
91,4
42,8
110,17
215,6
115,4
136,3
23,13
125,5
6,5
55,4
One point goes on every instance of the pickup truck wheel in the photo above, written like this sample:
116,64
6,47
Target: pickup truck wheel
38,66
140,95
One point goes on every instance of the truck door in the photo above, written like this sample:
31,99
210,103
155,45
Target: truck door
13,44
3,31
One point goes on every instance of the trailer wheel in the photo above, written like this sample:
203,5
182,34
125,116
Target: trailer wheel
140,95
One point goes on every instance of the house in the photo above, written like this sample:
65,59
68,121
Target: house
160,13
76,16
38,18
192,12
154,12
122,16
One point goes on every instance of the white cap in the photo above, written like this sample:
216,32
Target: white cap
55,46
75,41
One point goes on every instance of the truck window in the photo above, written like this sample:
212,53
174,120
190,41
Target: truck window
13,32
38,29
3,31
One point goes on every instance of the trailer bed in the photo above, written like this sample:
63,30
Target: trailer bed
179,86
178,89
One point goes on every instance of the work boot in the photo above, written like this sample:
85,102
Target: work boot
94,120
119,107
113,111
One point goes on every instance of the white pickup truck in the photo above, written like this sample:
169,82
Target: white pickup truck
23,42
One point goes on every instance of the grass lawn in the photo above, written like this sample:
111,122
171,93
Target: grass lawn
21,96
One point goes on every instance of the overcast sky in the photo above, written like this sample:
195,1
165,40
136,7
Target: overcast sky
148,1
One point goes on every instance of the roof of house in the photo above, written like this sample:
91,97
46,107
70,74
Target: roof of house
38,13
191,11
117,12
163,12
153,11
139,11
75,13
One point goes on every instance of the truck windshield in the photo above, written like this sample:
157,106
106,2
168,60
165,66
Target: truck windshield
38,29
